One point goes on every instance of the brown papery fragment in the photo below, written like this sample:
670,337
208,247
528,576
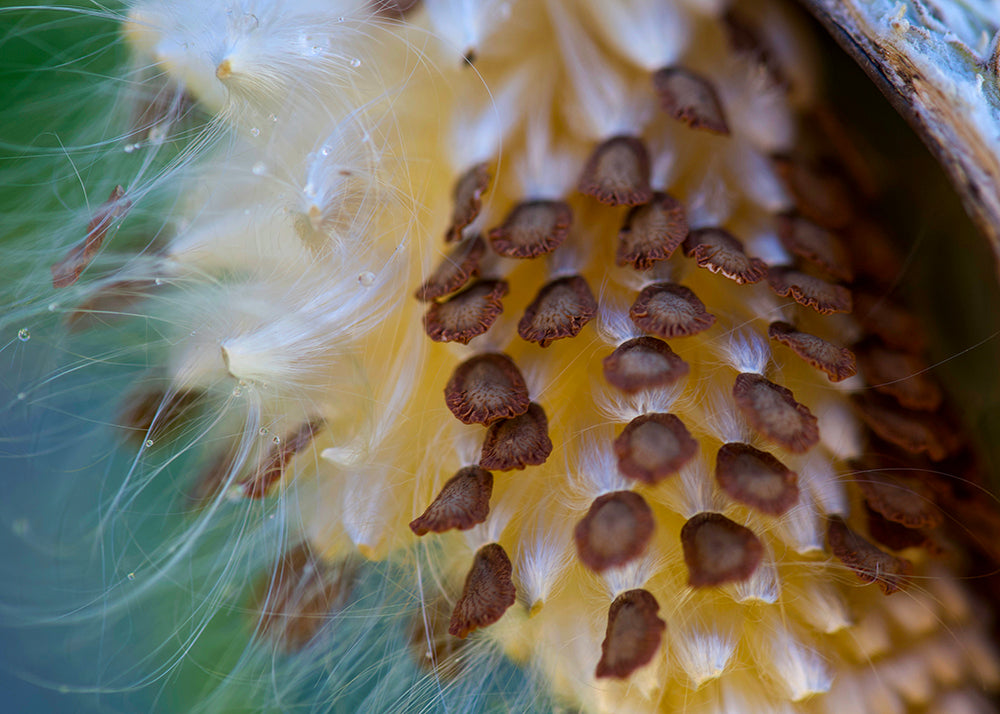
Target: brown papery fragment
869,562
718,251
616,529
900,499
819,246
653,447
270,470
690,98
486,388
561,309
756,478
718,551
67,271
838,363
670,310
454,271
532,228
651,232
151,413
617,172
487,594
643,363
810,291
517,442
916,432
464,501
468,314
772,410
633,635
467,199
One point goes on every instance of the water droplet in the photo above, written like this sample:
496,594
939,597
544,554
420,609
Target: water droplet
262,431
21,396
316,50
158,281
129,148
23,334
149,443
237,391
340,18
259,169
276,439
53,306
325,151
254,131
366,278
273,117
130,576
355,62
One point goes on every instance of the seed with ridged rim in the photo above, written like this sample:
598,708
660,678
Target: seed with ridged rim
916,432
486,388
838,363
772,411
718,551
894,325
756,478
670,310
819,192
464,501
454,271
815,244
617,172
643,363
651,232
532,228
720,252
467,199
633,635
691,99
810,291
653,447
869,562
561,309
900,499
468,314
901,375
617,528
517,442
487,594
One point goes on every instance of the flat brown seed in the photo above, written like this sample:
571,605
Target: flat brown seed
690,98
633,636
893,324
916,432
517,442
869,562
820,194
651,232
67,271
464,502
467,199
487,594
893,536
718,251
485,389
617,172
468,314
670,310
643,363
298,596
561,309
837,362
756,479
454,271
654,446
772,410
532,228
151,413
823,297
815,244
272,467
901,375
901,500
718,551
616,529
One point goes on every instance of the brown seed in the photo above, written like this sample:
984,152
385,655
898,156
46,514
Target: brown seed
67,271
718,551
300,594
616,529
487,594
654,446
633,636
820,194
561,309
815,244
109,303
617,172
486,388
153,413
823,297
755,478
643,363
869,562
517,442
532,228
745,40
468,314
916,432
690,98
872,252
454,271
901,500
901,375
717,250
464,502
270,470
897,327
893,536
773,411
651,232
467,199
838,362
670,310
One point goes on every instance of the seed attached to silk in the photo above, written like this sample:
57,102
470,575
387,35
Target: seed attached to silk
617,172
718,551
488,592
485,389
643,363
668,310
870,563
633,635
464,501
616,530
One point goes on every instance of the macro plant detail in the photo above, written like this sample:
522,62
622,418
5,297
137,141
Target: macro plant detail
440,341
